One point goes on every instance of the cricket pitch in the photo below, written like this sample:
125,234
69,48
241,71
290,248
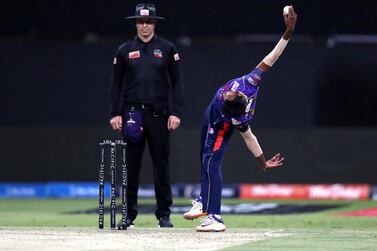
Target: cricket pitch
49,238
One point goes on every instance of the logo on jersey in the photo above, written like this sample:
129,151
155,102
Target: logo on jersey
210,130
251,81
115,60
235,86
254,79
134,54
131,121
249,105
157,53
257,77
236,122
176,56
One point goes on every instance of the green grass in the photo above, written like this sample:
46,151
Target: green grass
307,231
51,212
316,239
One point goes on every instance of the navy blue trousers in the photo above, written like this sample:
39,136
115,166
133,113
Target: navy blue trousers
214,141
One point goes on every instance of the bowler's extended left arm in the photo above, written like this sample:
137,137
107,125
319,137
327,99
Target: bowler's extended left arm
254,147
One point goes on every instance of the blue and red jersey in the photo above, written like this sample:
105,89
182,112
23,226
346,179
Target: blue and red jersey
216,133
247,85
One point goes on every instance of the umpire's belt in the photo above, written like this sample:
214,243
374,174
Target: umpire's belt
138,106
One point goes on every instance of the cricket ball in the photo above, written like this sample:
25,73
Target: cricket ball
286,10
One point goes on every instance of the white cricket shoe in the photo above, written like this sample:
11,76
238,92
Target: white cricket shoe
196,211
212,223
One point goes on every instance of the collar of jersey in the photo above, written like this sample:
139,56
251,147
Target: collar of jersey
150,41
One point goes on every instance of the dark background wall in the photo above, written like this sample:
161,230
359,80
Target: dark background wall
312,155
71,19
317,105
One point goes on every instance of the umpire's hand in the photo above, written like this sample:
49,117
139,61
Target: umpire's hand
173,122
116,123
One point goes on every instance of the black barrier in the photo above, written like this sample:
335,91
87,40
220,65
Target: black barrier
312,156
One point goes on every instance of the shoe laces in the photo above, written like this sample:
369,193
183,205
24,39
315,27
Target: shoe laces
211,219
196,205
164,219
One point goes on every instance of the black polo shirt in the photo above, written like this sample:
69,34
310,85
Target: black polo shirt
144,73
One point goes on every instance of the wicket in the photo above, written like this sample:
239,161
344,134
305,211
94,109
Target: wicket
112,145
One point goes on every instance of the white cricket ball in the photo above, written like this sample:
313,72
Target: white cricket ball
286,10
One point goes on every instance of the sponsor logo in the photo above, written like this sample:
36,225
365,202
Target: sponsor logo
236,122
144,12
249,105
21,191
157,53
210,130
176,56
102,174
374,193
338,191
332,192
146,192
134,54
131,121
82,191
235,86
255,79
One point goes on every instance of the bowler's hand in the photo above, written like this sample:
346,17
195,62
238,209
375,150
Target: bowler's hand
290,19
290,23
275,161
116,123
173,122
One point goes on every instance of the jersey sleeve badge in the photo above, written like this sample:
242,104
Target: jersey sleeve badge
235,86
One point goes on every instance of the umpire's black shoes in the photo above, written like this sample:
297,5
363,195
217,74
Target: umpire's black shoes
165,222
129,224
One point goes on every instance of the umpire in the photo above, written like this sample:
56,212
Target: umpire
146,99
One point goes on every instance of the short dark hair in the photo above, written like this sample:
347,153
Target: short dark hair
235,107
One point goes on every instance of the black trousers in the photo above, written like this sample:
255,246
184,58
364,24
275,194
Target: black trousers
156,133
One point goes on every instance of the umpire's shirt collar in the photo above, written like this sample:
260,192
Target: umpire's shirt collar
154,38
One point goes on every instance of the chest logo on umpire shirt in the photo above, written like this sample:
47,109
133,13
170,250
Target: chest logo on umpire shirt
134,54
157,53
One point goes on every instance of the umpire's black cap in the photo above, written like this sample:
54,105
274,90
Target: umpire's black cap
145,11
